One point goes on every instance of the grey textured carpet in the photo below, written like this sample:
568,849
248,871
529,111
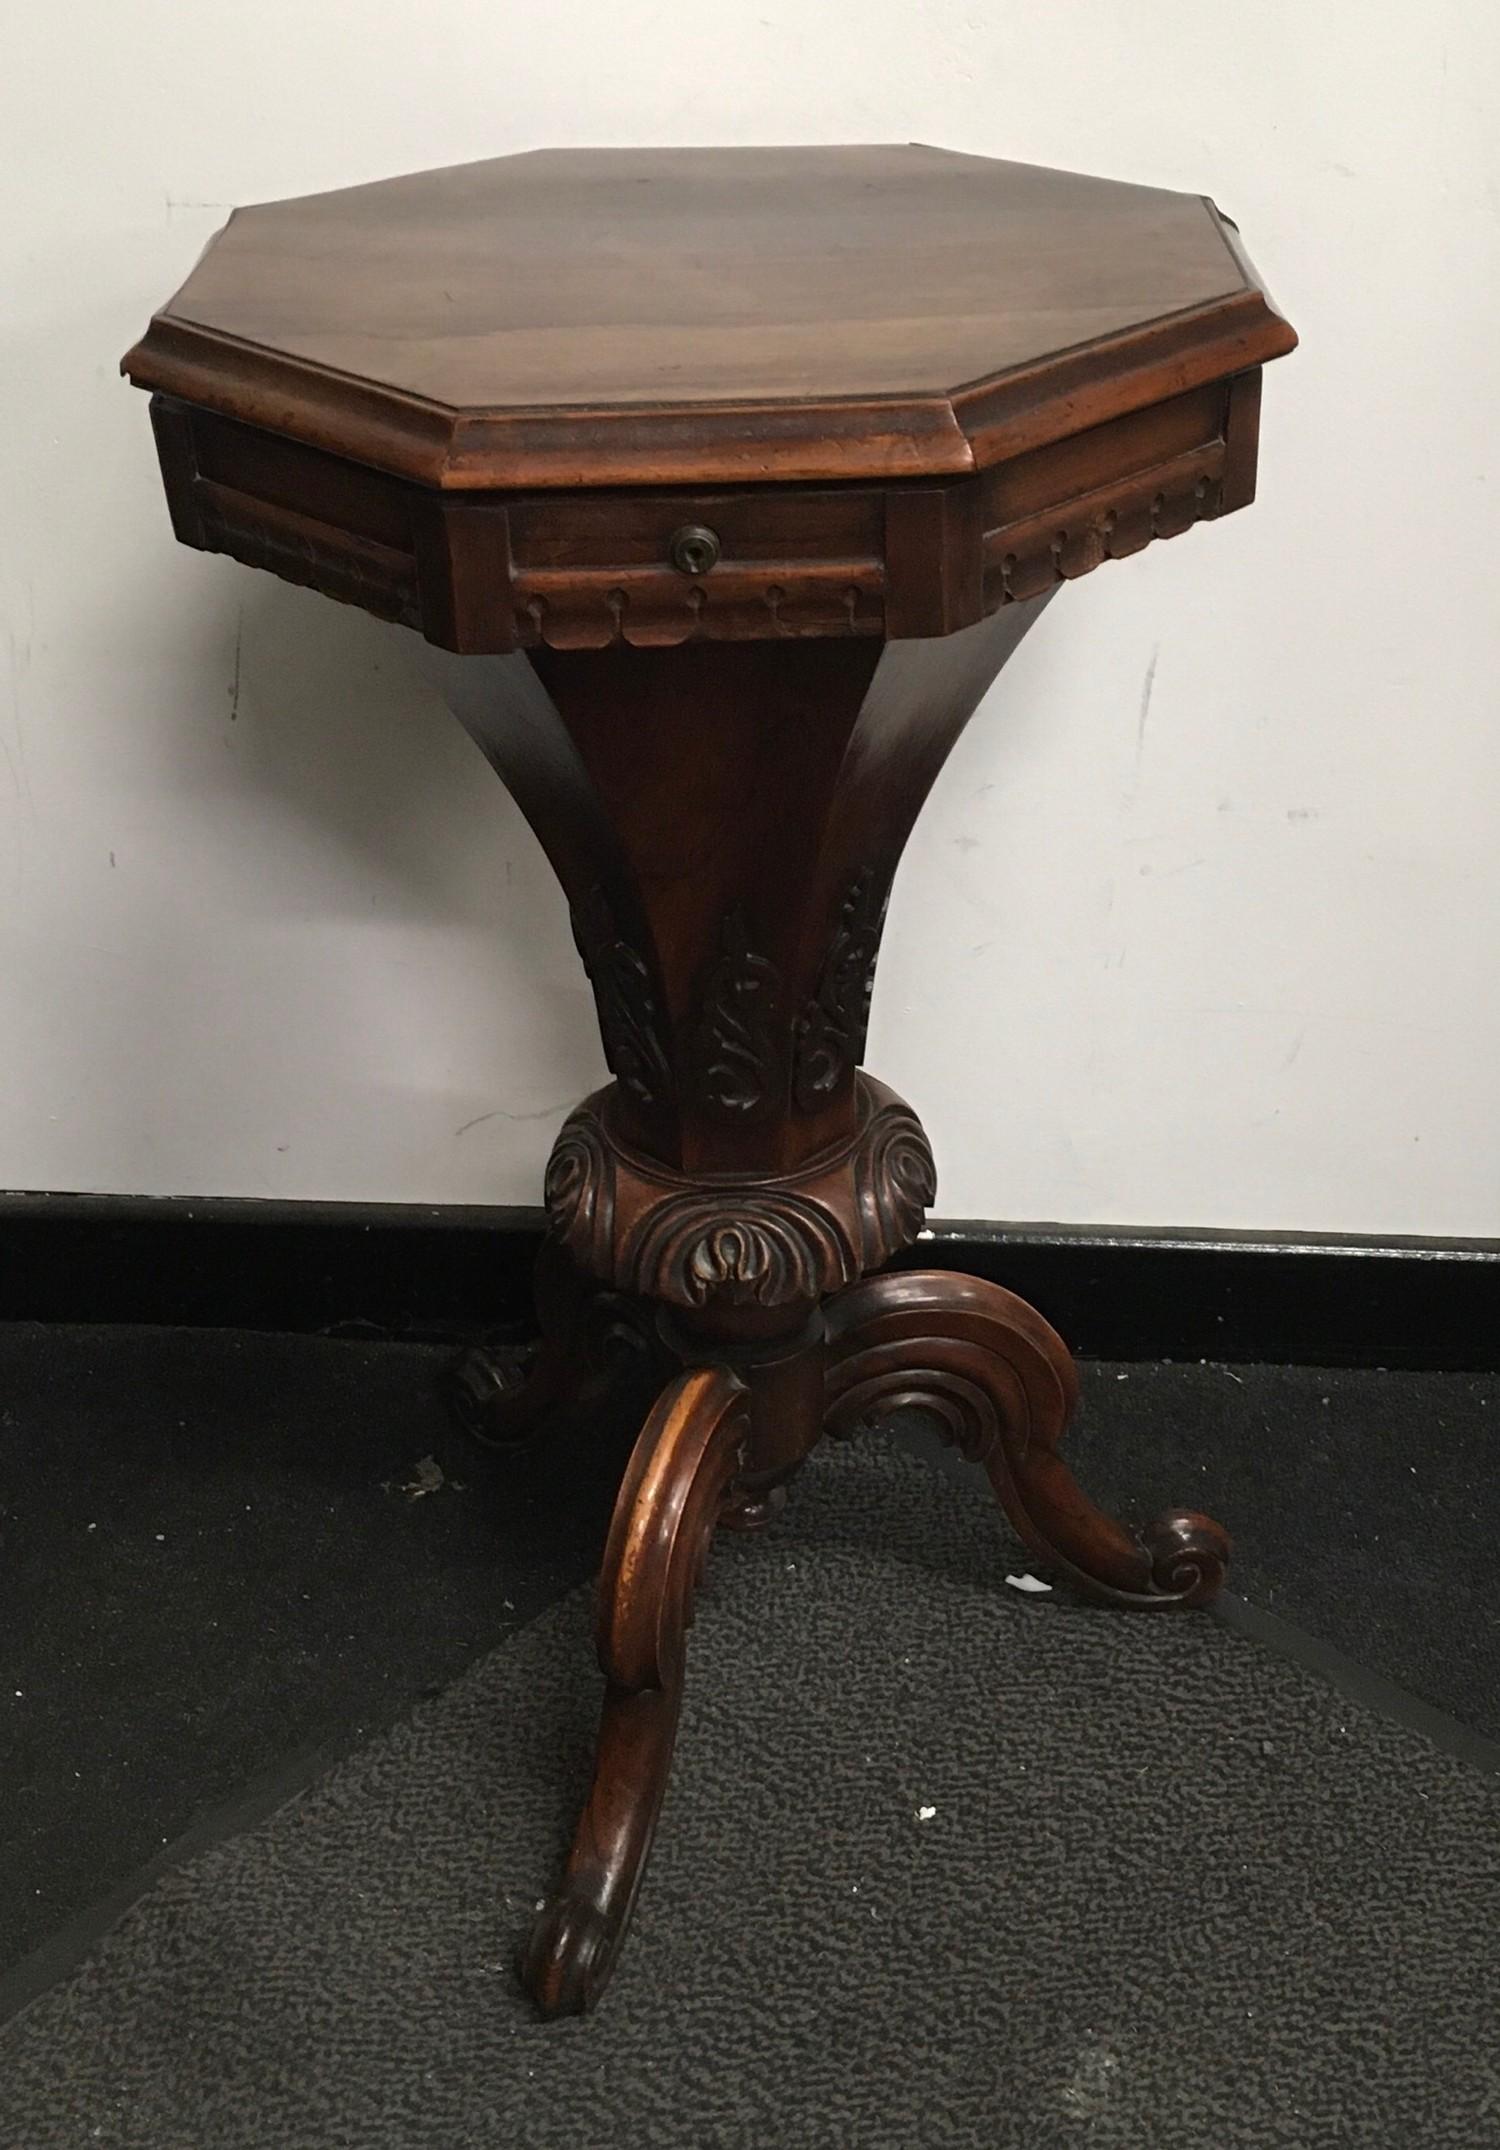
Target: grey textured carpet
1172,1889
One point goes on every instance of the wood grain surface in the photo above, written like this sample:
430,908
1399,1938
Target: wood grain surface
579,317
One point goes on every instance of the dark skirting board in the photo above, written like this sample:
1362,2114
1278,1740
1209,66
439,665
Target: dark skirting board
415,1271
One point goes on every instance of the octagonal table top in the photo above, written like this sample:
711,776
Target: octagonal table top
598,316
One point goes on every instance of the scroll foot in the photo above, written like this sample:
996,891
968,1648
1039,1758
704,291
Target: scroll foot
590,1339
1002,1387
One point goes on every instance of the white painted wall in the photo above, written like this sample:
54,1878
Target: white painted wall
1220,954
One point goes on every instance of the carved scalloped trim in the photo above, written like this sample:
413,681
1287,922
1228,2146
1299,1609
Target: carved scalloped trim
1026,557
657,607
334,562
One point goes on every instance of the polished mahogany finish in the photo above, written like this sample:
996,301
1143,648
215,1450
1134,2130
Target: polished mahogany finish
897,387
689,1454
601,316
724,482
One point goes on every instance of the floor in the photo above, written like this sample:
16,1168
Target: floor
226,1558
941,1863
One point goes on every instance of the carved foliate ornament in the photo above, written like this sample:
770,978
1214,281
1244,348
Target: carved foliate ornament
635,1224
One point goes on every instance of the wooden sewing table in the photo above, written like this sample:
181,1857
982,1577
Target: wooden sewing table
730,478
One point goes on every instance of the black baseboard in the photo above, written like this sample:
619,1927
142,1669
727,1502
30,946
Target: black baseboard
405,1270
226,1262
1305,1299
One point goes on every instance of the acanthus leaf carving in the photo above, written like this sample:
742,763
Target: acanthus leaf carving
739,1043
630,1022
640,1227
768,1249
579,1190
896,1179
832,1026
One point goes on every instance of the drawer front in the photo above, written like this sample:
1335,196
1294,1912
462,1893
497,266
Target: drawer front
480,572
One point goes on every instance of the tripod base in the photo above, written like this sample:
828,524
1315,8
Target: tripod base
999,1384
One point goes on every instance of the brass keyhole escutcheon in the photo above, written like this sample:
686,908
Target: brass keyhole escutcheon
694,548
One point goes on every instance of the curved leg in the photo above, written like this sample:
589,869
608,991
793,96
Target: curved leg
587,1336
1002,1387
679,1474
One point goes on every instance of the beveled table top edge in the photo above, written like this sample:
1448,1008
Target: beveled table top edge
880,438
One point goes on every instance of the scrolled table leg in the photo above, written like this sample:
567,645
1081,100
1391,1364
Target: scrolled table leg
680,1472
1001,1386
